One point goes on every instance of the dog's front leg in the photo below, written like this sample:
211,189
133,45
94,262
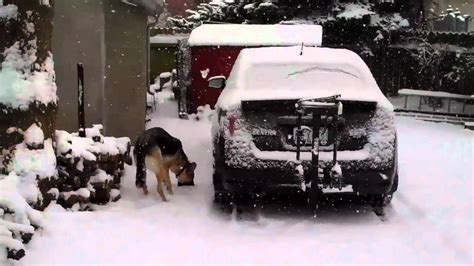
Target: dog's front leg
167,180
160,179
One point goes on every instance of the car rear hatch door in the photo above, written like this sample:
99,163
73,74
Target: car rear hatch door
273,123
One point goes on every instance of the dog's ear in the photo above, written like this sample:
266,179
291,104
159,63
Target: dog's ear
192,167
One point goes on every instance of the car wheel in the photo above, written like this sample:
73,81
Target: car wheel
379,201
395,185
314,196
222,197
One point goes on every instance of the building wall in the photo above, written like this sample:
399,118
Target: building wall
126,69
78,36
465,6
110,39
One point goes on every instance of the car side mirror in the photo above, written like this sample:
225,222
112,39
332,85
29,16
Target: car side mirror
217,82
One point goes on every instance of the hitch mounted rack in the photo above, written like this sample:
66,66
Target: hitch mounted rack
331,109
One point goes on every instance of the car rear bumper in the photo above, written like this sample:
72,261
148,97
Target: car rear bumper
271,180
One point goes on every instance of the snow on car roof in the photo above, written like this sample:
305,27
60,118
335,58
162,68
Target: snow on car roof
319,72
256,35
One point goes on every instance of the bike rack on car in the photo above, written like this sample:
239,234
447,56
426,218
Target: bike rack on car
329,110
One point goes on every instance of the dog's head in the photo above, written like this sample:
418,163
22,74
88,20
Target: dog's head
185,174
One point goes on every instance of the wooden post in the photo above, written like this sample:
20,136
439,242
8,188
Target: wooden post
80,106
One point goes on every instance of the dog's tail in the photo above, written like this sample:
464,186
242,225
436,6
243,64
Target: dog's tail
140,155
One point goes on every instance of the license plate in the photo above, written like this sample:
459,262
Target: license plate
307,136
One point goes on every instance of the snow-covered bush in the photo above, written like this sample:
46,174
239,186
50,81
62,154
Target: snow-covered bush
91,168
34,161
204,113
18,219
213,11
27,89
25,79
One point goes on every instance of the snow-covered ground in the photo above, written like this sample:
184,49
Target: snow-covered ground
430,220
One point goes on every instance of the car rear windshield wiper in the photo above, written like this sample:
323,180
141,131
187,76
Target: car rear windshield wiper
329,99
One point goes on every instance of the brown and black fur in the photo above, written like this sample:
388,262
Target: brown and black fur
160,152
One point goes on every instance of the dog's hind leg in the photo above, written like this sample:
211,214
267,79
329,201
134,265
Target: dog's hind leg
160,179
167,181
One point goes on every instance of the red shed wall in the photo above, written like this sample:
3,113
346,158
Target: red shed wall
219,61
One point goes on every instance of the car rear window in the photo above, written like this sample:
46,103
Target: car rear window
301,77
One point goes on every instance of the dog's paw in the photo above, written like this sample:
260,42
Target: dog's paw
164,199
145,190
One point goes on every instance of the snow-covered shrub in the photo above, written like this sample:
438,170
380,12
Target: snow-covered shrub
215,11
17,219
27,105
389,22
263,12
27,97
353,10
25,82
27,74
428,61
91,167
204,113
34,161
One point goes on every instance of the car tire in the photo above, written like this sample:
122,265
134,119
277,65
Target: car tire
222,198
314,197
395,185
382,200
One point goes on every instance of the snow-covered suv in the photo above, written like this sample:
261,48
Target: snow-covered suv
256,126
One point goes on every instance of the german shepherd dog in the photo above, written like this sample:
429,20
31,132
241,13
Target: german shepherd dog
160,152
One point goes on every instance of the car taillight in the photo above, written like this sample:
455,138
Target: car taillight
233,122
229,121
